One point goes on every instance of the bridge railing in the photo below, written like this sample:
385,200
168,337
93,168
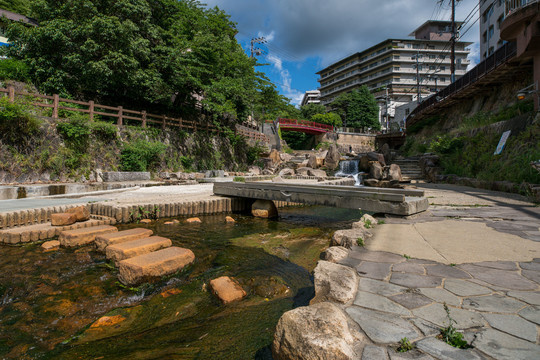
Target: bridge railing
496,59
305,123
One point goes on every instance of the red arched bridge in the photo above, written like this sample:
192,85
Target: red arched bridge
308,127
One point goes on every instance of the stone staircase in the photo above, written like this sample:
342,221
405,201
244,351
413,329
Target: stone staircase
138,255
410,169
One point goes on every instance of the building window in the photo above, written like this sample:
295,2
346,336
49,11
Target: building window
490,32
442,79
484,37
396,57
432,56
499,21
490,50
407,111
432,67
443,68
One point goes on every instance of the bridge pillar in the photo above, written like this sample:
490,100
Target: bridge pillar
264,209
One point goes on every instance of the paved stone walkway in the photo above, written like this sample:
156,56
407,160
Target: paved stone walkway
496,305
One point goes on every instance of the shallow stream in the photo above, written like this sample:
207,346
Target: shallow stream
49,302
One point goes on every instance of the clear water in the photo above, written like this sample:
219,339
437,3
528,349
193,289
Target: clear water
48,301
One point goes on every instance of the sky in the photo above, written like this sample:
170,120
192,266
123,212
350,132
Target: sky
305,36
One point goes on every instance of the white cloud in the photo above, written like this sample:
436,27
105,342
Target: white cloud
286,80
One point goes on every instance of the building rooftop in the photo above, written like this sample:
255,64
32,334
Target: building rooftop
18,17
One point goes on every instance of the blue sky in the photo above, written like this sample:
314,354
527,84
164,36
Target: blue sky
304,36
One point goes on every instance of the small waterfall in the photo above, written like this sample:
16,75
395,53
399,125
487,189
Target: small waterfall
350,168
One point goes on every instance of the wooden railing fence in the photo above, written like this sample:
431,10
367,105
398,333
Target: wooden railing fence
119,114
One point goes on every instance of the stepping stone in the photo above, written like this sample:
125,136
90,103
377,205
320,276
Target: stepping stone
156,264
102,241
129,249
50,245
77,237
63,219
227,289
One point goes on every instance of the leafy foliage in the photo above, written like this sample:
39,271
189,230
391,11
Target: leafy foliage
19,6
165,52
141,155
330,118
358,109
450,335
405,345
13,70
17,124
309,110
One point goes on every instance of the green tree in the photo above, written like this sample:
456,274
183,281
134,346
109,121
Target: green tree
358,109
19,6
312,109
167,53
330,118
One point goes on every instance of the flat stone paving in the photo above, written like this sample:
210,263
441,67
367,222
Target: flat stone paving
492,303
477,253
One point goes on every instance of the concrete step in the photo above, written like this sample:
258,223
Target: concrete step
153,265
102,241
137,247
78,237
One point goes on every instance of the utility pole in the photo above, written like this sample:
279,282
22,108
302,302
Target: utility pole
418,94
256,51
386,110
453,42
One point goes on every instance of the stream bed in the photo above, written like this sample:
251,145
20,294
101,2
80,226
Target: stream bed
50,302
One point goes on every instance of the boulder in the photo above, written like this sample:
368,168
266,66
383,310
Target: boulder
285,157
264,209
50,245
164,175
368,218
267,172
275,157
335,254
331,161
385,151
145,221
315,332
81,212
312,161
255,170
229,219
302,164
194,220
348,238
363,164
394,173
375,170
287,172
317,173
334,282
268,163
227,289
304,171
63,219
371,182
373,156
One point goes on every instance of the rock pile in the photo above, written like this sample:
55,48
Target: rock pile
379,173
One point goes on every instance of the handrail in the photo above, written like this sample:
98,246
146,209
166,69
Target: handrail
305,123
499,57
119,113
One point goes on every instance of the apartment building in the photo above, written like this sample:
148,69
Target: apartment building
311,97
491,16
398,70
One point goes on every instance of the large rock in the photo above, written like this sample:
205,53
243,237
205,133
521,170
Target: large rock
394,173
385,150
264,209
78,237
304,171
376,170
335,254
154,265
334,282
373,156
364,163
274,156
312,161
104,240
349,237
331,161
227,289
63,219
285,157
371,182
255,170
137,247
313,332
81,212
287,172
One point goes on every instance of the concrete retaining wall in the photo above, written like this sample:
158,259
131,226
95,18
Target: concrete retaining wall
110,176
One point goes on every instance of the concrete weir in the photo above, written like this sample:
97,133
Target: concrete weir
378,200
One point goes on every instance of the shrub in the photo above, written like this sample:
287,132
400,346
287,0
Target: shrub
76,132
17,123
187,163
104,131
11,69
141,155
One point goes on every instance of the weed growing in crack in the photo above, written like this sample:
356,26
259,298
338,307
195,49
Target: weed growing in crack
450,335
